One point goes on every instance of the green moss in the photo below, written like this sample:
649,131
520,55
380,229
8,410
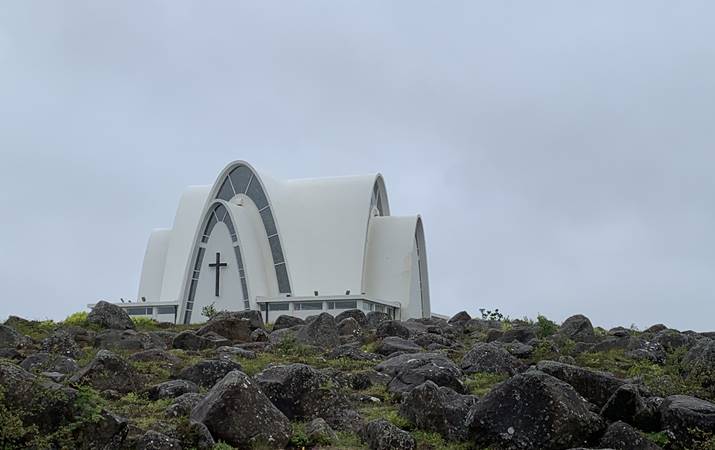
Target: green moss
37,330
613,361
78,319
154,372
481,383
348,440
435,440
386,412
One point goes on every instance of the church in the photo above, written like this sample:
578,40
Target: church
295,247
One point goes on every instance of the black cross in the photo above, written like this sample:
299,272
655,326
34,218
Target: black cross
218,264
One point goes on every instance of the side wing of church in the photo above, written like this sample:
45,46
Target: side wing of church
294,247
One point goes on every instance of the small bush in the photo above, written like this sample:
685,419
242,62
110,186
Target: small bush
545,327
78,319
209,311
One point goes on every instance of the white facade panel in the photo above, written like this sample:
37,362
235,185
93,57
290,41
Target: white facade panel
153,265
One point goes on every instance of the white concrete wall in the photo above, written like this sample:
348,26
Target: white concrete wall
153,266
181,243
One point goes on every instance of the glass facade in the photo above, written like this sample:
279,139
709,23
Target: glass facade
342,304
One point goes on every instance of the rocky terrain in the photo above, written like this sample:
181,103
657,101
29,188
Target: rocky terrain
104,381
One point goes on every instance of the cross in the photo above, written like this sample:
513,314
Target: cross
218,265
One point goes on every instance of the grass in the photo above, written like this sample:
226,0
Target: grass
481,383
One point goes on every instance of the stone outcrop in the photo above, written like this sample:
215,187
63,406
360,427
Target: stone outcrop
534,410
490,358
439,409
107,315
237,412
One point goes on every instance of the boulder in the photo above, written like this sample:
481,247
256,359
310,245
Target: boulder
490,358
672,340
156,355
303,393
188,340
597,387
657,328
348,327
237,412
108,371
518,349
127,340
375,318
352,352
171,389
153,440
460,318
427,339
107,315
235,329
641,349
47,405
356,314
319,433
61,343
392,328
533,410
578,328
284,334
253,316
200,436
11,339
700,359
621,436
45,362
681,414
410,370
207,372
236,351
320,332
438,409
259,335
105,431
183,404
625,403
382,435
481,325
284,321
392,344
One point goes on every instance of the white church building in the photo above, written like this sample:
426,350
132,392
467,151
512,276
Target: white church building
296,247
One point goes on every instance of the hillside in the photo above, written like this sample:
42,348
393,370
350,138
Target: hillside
102,380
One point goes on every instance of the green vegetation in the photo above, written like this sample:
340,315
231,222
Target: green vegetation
545,327
78,319
435,440
481,383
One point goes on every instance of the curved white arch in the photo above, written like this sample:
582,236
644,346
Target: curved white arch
218,211
240,178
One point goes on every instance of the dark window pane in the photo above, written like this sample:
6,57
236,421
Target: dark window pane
187,318
244,286
345,304
237,250
268,222
246,305
263,306
138,311
306,306
166,309
229,224
199,258
255,193
226,191
240,177
278,307
221,212
210,224
276,250
282,276
192,290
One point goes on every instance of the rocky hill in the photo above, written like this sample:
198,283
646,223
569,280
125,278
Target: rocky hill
103,381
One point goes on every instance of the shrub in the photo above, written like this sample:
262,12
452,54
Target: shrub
78,319
492,315
545,327
209,311
481,383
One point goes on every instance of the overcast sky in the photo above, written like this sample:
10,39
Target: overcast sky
562,154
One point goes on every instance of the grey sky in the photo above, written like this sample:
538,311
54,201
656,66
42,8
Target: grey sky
561,153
